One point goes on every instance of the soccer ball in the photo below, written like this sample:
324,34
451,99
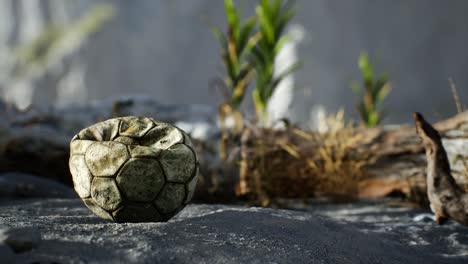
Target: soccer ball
133,169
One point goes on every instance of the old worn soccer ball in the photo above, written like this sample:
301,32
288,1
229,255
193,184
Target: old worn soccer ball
133,169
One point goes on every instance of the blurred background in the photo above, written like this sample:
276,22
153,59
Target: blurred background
62,52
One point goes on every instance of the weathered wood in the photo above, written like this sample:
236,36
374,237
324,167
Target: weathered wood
397,158
447,199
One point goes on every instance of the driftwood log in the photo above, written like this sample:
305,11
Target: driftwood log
395,161
447,199
37,143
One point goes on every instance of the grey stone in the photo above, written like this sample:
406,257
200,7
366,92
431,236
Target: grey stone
20,239
6,253
15,184
350,233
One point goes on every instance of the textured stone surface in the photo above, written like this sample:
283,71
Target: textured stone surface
105,193
178,163
20,239
352,233
141,179
104,159
171,198
16,184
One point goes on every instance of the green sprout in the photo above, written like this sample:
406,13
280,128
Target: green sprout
237,44
273,16
372,94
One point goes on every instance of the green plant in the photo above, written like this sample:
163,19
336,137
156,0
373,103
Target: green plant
273,16
237,44
372,94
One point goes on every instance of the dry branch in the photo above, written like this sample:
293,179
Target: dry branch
397,159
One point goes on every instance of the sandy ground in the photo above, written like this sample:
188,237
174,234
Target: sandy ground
320,233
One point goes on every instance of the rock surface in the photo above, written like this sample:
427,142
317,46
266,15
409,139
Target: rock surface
359,233
20,239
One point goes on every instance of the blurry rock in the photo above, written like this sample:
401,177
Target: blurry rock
424,218
26,185
6,253
20,239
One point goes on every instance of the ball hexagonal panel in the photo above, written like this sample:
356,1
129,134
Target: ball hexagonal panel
81,175
191,186
137,213
162,137
104,159
133,126
105,193
178,163
97,210
171,198
141,179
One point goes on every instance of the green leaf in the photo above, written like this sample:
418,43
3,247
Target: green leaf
280,43
232,17
245,33
283,21
219,35
266,26
365,67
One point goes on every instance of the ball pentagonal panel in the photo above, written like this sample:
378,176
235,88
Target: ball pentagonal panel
104,159
178,163
171,198
105,193
141,179
81,175
137,213
162,136
134,126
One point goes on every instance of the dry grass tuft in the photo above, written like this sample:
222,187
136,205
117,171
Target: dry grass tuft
302,164
334,163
